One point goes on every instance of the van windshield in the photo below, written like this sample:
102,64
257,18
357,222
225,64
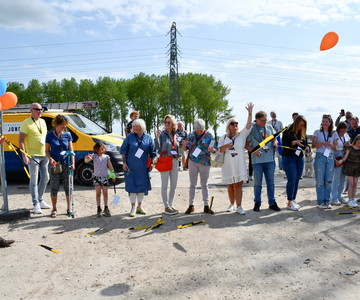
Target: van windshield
85,125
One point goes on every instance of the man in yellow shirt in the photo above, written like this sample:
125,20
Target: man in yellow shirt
33,132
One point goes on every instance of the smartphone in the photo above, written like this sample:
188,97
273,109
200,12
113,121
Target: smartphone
212,143
343,111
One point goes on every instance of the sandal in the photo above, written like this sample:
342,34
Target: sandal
53,214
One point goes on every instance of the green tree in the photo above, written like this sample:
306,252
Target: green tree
52,92
107,91
33,92
18,89
86,93
142,95
69,90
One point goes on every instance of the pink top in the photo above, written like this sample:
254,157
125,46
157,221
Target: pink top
100,164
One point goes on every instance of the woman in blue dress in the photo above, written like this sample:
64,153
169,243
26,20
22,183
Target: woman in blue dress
138,153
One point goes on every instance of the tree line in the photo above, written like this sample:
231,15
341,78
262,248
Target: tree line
202,96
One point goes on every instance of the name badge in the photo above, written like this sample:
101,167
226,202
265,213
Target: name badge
232,151
173,152
298,151
139,152
42,140
266,148
62,153
326,152
196,152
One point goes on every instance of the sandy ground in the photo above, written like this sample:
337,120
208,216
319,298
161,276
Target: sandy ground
260,255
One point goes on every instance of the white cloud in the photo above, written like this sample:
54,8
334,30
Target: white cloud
153,15
34,14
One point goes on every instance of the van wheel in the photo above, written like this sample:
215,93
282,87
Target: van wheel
84,174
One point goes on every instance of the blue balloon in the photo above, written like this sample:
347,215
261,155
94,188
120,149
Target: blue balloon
2,87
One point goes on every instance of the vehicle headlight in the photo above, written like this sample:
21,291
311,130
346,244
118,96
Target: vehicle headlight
110,147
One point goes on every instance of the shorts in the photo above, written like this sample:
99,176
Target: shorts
181,152
100,181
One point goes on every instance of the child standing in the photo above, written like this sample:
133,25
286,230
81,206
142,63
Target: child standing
352,168
100,181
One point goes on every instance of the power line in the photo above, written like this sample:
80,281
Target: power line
84,42
82,54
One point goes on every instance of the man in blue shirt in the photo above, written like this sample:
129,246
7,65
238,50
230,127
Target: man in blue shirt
263,161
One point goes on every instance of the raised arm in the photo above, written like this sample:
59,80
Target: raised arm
249,108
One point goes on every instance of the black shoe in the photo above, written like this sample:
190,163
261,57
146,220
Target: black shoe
5,243
257,206
275,207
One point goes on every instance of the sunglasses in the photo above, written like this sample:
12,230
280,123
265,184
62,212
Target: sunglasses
234,123
37,109
167,122
326,116
262,120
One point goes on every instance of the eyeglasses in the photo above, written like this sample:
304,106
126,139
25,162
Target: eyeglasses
234,123
262,120
167,122
37,109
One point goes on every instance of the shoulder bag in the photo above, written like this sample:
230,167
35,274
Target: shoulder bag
219,158
58,167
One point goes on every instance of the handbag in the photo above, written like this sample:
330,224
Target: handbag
219,158
164,163
58,167
338,158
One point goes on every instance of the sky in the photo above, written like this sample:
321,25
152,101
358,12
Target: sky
265,52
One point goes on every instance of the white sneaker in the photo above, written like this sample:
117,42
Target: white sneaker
37,208
170,211
298,206
240,211
43,204
323,206
174,209
231,208
352,203
328,205
292,206
343,201
336,202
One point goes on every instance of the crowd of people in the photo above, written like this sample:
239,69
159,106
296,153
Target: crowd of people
337,158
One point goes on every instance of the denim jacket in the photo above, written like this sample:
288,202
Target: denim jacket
165,144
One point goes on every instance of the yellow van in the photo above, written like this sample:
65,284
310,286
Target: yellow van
85,134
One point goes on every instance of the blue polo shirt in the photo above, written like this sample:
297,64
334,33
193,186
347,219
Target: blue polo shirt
256,136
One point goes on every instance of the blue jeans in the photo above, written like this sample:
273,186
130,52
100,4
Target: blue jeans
324,172
37,191
280,159
293,167
338,183
268,170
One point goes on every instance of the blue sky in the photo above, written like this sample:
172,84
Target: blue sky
266,52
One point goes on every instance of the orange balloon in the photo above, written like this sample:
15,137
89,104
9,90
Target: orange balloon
8,100
329,40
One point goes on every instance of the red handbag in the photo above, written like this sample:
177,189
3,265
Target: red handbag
164,163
